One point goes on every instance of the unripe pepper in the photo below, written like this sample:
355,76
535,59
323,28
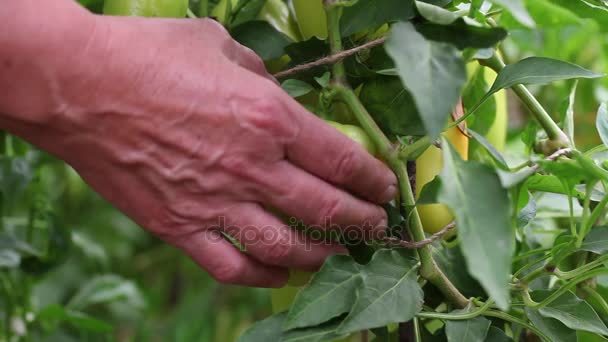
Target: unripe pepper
435,217
147,8
311,18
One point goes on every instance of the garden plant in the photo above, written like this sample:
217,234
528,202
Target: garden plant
497,234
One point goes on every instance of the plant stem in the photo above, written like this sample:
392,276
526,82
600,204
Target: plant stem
598,297
512,319
583,269
588,224
458,316
558,138
429,269
335,38
565,288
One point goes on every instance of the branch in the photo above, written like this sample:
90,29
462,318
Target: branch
331,59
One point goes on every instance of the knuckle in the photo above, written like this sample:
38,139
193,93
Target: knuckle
346,166
329,209
229,272
278,250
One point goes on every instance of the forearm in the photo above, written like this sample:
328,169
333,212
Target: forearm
40,43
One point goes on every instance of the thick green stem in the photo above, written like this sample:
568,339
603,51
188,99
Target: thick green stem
565,288
512,319
335,38
556,136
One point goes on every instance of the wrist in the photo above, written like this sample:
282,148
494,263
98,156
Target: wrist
38,54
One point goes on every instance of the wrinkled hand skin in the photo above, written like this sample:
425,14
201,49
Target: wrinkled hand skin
183,130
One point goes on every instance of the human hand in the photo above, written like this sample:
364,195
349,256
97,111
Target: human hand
183,130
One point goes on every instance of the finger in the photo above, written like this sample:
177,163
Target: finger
272,242
246,58
210,250
322,150
319,204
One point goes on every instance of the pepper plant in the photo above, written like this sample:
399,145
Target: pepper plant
488,240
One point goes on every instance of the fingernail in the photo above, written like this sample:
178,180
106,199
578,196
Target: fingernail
389,194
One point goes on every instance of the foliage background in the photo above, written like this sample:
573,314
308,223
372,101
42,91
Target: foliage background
116,282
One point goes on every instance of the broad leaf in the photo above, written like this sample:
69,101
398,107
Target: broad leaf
296,88
330,293
106,289
462,35
497,335
518,11
546,14
538,70
248,11
269,329
572,312
472,330
490,149
392,106
551,327
427,69
596,241
389,294
262,38
480,205
368,14
598,4
601,122
436,14
77,319
475,89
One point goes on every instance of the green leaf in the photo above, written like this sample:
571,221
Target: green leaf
105,289
452,263
598,4
489,148
389,293
518,11
296,88
584,336
551,327
436,14
9,258
15,175
248,11
369,14
462,35
474,91
497,335
427,69
596,241
77,319
430,192
472,330
538,70
546,14
269,329
262,38
481,207
602,123
572,312
329,294
392,106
